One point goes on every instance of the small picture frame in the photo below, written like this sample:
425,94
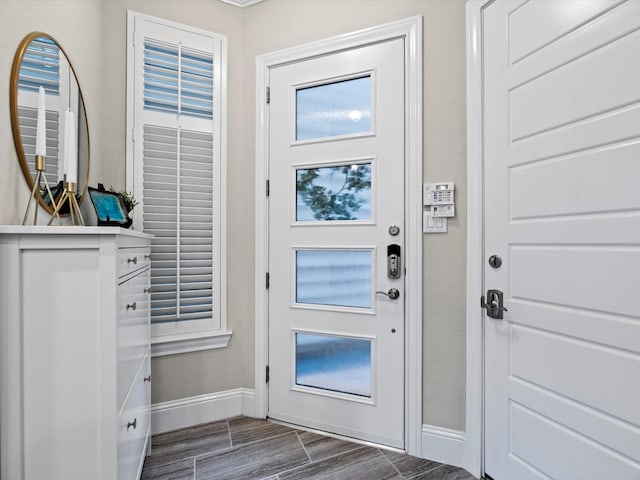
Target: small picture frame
110,207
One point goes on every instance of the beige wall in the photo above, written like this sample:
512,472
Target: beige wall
444,157
186,375
93,34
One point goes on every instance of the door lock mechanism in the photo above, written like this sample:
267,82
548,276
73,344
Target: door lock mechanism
393,261
494,304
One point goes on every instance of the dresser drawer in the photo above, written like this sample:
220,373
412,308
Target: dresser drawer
131,260
134,423
133,330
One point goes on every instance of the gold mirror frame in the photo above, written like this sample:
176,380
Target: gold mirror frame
15,125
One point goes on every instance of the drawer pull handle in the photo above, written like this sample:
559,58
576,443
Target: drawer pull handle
133,260
131,305
147,379
147,290
133,424
147,257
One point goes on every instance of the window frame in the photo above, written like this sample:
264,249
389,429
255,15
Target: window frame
188,335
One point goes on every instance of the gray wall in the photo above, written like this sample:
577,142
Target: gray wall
92,32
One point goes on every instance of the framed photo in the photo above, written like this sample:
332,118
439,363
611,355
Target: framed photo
110,208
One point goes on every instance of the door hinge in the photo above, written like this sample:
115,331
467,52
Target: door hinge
268,93
267,281
268,187
266,374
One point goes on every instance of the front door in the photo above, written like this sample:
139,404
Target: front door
562,210
336,231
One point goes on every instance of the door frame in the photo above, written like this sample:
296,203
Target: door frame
411,30
474,423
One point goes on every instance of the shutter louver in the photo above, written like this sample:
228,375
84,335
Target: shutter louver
40,66
28,120
160,217
196,83
178,80
178,197
196,225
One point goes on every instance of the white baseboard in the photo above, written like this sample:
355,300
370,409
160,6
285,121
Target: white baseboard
438,443
212,407
444,445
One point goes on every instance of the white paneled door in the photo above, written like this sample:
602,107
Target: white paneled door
562,209
336,237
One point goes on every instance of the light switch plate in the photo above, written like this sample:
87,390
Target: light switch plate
431,224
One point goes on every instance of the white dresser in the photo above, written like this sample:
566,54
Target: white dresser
74,353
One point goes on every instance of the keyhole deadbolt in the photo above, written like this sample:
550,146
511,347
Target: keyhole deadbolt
495,261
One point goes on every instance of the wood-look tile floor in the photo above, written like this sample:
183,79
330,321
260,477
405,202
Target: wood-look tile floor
243,448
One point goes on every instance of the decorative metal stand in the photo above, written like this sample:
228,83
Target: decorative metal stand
41,166
69,196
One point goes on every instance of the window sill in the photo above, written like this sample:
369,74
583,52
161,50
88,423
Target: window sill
190,342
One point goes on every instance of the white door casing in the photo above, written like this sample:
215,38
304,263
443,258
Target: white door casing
410,31
561,157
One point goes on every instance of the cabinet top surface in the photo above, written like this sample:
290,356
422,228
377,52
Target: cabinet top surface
68,230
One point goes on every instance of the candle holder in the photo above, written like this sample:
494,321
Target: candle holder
41,166
69,196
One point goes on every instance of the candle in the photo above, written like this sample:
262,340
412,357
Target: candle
70,156
41,136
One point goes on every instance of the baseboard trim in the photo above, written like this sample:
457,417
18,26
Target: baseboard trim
211,407
444,445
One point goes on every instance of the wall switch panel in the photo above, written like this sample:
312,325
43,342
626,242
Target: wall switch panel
431,224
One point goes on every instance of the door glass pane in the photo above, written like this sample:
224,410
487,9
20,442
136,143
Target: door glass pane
332,277
334,193
338,364
339,108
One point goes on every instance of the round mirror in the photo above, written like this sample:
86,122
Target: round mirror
41,62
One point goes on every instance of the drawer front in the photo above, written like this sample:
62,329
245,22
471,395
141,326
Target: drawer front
131,260
133,328
134,424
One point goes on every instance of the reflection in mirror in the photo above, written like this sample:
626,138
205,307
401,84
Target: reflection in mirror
40,61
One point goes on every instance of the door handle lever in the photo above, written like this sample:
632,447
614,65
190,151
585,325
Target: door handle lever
393,293
494,306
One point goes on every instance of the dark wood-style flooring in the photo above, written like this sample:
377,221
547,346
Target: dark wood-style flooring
243,448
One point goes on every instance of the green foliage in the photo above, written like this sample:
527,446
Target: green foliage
327,204
129,200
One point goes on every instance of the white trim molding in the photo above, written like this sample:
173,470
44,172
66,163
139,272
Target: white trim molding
411,30
242,3
212,407
444,445
188,342
475,239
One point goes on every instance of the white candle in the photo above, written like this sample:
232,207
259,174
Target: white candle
41,136
70,156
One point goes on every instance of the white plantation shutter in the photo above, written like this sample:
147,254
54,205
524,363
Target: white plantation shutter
178,199
196,224
177,173
177,79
